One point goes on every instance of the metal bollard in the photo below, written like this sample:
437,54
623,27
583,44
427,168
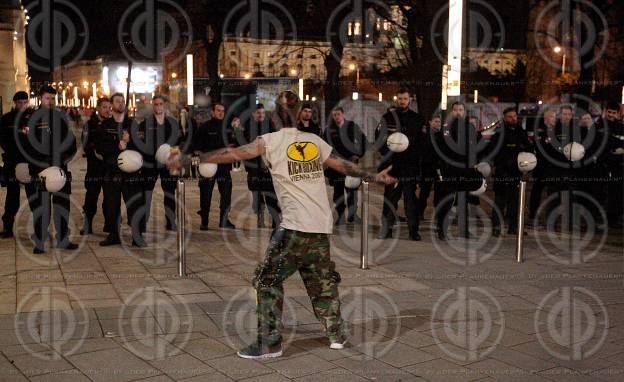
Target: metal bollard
181,218
520,238
365,217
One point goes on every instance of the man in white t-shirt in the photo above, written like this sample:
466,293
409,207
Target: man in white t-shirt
296,160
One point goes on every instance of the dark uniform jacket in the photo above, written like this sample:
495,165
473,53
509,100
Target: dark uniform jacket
213,135
348,141
148,136
105,141
95,164
11,138
408,163
50,142
258,175
508,142
458,152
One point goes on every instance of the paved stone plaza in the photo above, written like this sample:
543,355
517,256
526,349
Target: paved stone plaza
428,311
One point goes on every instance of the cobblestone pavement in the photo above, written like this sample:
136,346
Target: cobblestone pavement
429,311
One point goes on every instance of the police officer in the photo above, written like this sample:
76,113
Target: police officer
559,171
50,142
406,165
259,179
457,147
111,139
348,141
430,170
94,178
156,130
305,122
612,120
592,177
506,172
540,134
9,125
213,135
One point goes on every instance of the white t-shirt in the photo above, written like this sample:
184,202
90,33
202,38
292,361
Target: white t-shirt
295,159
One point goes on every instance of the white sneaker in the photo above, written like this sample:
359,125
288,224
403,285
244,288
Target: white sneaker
337,345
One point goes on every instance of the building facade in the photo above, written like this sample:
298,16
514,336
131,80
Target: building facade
13,64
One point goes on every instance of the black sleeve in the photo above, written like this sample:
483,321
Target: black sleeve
72,147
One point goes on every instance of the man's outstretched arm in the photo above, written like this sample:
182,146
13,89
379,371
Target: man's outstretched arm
351,169
234,154
221,156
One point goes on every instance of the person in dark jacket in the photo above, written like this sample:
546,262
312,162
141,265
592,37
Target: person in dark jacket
559,171
214,135
506,172
458,147
592,177
146,138
406,166
612,119
111,139
430,170
540,135
349,142
94,178
9,133
50,142
259,178
305,122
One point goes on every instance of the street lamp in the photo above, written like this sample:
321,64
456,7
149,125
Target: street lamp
558,50
357,74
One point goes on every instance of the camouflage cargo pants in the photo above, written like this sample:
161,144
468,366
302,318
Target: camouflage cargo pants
308,253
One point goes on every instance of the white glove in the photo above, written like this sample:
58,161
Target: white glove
98,156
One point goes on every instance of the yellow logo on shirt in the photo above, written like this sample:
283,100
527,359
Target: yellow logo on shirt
303,151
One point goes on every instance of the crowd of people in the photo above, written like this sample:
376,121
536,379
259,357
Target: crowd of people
446,156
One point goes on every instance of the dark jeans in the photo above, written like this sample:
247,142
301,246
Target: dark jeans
116,187
426,186
506,196
12,201
447,195
339,199
537,188
94,184
206,185
392,194
168,183
41,204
